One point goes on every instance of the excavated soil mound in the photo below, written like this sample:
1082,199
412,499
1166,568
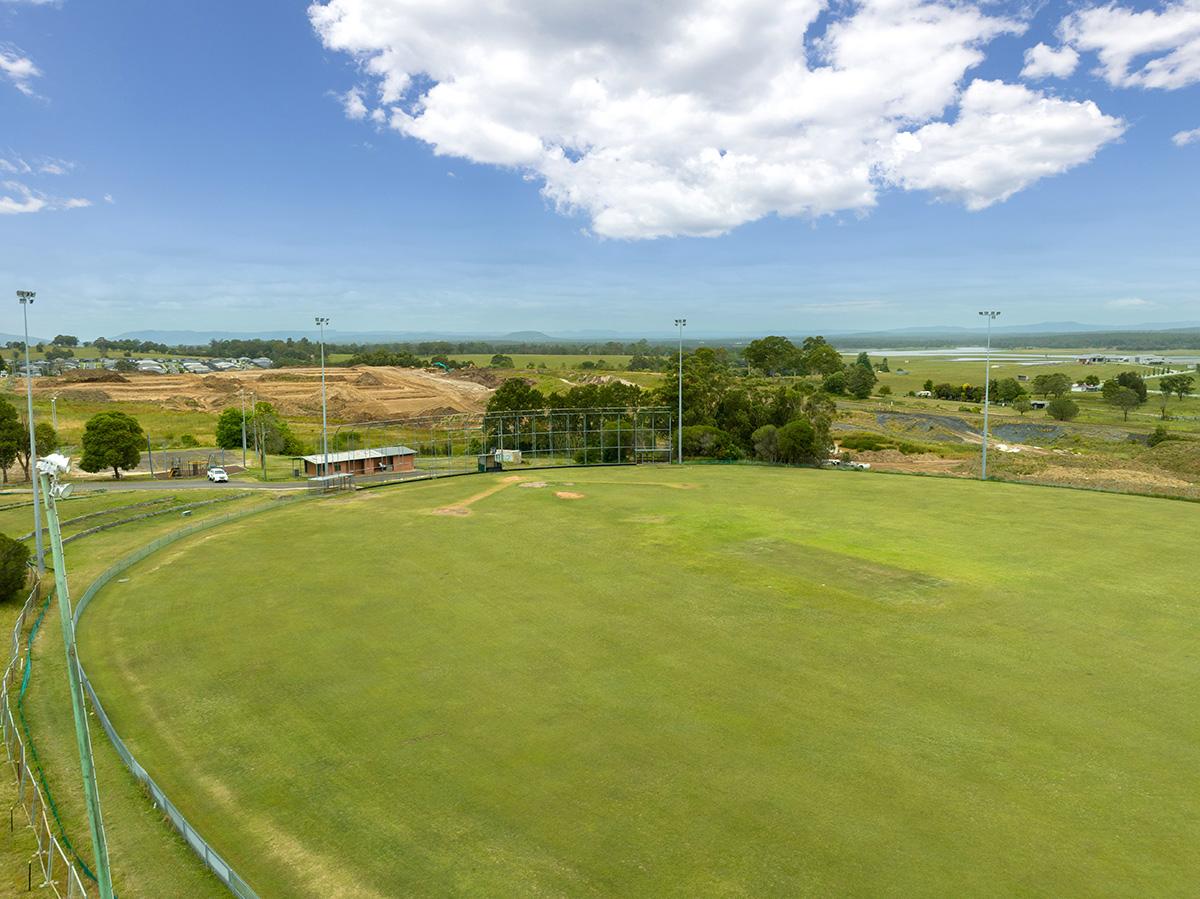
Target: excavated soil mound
355,394
93,376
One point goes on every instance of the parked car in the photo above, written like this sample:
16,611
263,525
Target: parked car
218,476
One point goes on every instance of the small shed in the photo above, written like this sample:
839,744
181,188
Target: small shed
362,462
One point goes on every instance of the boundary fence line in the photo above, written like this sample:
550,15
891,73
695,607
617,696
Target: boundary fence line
211,858
52,858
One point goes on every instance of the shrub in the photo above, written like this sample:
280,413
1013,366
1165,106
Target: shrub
14,571
1160,435
865,442
708,442
766,443
798,442
189,441
1062,408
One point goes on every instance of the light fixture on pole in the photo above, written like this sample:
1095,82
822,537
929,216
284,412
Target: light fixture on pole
321,323
680,323
54,411
25,298
991,316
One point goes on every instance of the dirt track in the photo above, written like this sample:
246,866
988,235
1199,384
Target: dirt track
354,393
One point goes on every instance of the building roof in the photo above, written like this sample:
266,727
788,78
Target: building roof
354,455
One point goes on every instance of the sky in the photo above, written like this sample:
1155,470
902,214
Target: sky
758,166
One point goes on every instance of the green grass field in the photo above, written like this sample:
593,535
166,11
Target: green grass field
707,681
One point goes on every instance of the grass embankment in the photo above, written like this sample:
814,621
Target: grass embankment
698,681
148,859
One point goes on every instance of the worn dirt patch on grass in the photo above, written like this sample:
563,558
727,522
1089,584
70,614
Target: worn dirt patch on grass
463,507
567,494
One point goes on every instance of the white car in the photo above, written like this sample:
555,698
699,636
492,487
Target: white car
218,476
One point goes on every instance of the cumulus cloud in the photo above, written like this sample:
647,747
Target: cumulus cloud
352,103
18,69
691,117
1140,48
1183,138
1006,137
1043,61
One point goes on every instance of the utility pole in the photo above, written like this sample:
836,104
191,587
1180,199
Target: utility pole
54,411
321,323
991,316
48,470
680,323
25,298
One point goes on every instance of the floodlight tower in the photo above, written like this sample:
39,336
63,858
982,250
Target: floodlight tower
991,316
322,321
25,298
48,471
680,323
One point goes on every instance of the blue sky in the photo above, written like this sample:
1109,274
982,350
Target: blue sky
231,185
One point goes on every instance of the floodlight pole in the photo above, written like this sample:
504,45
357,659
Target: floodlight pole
680,323
25,298
54,411
321,323
243,393
91,792
991,316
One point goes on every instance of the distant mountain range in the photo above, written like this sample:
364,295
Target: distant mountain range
199,338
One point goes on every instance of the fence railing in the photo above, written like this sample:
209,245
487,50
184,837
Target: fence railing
211,858
56,869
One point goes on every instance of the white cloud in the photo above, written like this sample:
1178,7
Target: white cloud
1122,37
1006,137
1183,138
1130,303
691,116
352,103
16,198
1042,61
18,69
108,198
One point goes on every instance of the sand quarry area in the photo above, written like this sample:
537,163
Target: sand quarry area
361,393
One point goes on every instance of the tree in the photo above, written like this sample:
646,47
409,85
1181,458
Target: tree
1062,408
126,365
12,435
766,443
1056,384
773,355
860,380
14,568
865,361
66,340
274,435
834,383
112,440
1134,382
709,442
1022,404
501,361
1092,380
229,428
884,390
1006,390
883,366
1124,398
798,442
516,395
819,357
928,385
45,439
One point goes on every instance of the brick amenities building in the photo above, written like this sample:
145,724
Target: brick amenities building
362,462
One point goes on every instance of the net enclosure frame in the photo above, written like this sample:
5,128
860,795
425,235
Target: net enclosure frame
453,443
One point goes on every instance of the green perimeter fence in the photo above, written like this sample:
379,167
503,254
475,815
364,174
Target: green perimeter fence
55,852
58,874
211,858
